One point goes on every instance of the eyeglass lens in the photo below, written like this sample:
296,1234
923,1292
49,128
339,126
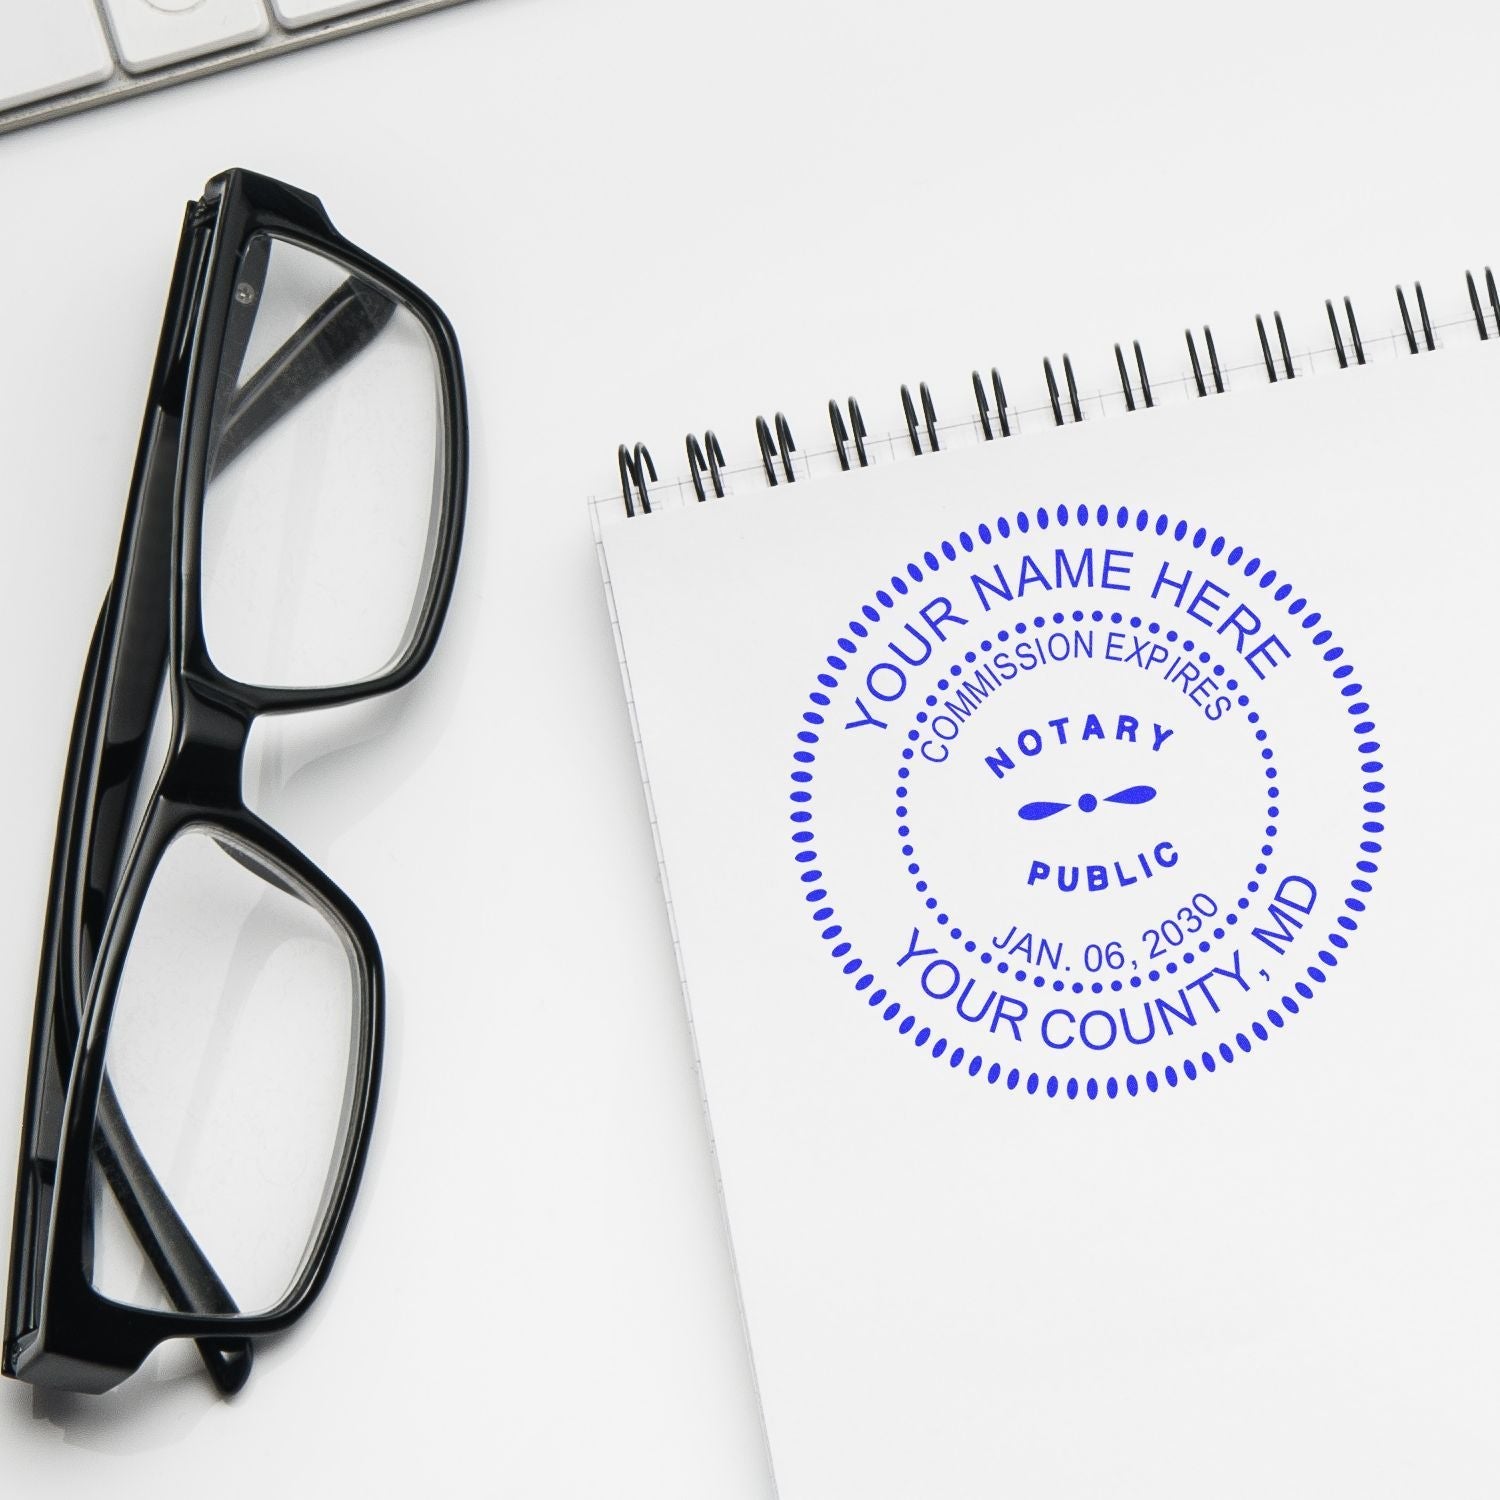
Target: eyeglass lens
325,472
229,1066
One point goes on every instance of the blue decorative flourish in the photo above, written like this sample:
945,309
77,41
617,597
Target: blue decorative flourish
1034,812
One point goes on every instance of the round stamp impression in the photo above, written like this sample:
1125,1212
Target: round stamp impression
1086,802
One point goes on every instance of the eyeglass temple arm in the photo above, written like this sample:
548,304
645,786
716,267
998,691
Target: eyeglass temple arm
176,1257
345,324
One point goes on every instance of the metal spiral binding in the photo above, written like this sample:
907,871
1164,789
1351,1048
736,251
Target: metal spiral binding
1265,347
1140,364
1338,341
713,464
630,473
1213,360
1484,332
929,416
1057,415
776,445
841,433
768,448
1411,338
982,401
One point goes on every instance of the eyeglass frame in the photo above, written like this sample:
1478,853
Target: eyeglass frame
60,1331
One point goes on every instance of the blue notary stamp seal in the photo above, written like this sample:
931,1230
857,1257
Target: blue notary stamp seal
1086,802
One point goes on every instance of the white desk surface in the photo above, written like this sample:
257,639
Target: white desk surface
641,219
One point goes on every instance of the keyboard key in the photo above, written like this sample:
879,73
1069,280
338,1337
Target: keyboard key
152,33
305,12
48,47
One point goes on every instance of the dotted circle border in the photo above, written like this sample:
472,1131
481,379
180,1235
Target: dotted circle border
863,980
1230,916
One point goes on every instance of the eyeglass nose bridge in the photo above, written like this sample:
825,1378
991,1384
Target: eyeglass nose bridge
208,750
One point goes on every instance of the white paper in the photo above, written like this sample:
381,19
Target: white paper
1270,1277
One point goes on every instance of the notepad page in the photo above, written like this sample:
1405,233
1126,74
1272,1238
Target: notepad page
1082,855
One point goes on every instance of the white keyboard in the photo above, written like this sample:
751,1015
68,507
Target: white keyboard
57,56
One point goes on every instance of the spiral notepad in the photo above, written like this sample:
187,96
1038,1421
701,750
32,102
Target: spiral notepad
1076,824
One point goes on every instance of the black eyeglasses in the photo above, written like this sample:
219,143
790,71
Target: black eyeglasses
206,1045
